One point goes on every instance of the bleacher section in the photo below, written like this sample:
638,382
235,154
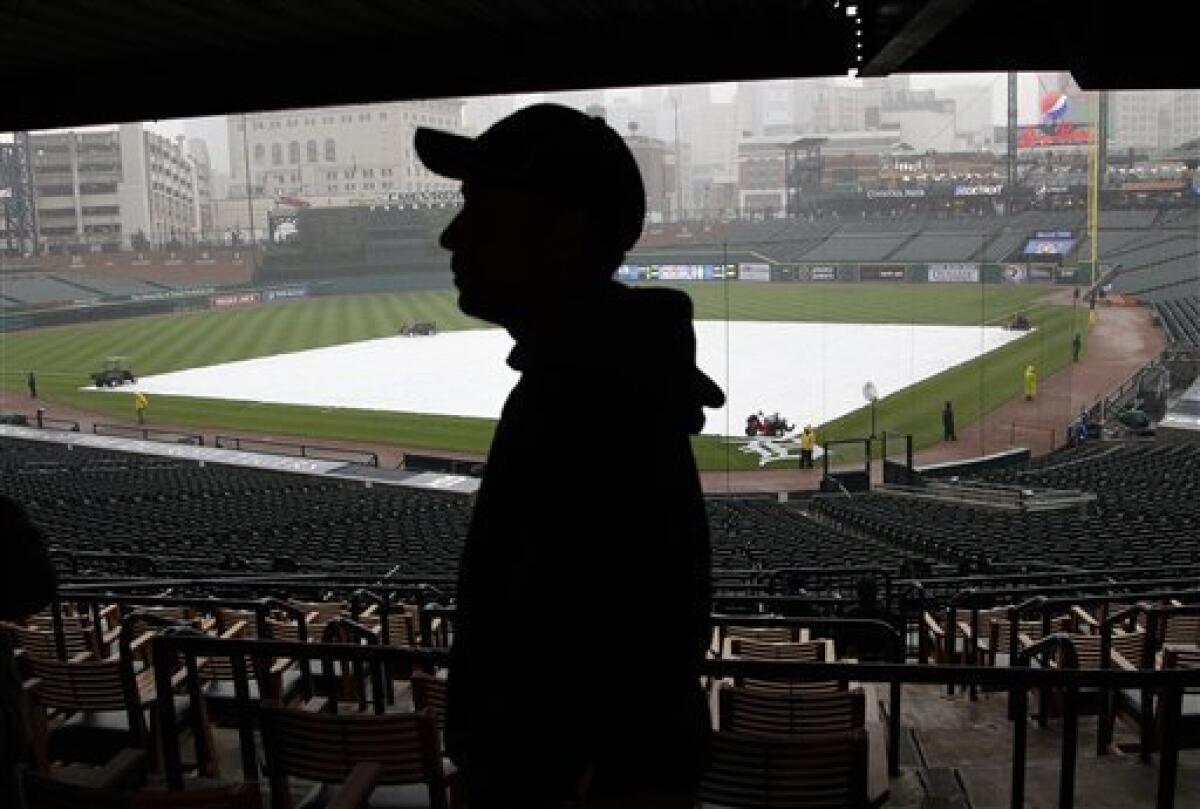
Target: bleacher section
1148,510
942,247
765,535
1180,319
857,247
187,516
133,531
42,290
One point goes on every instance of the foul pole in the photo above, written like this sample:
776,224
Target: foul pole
1094,187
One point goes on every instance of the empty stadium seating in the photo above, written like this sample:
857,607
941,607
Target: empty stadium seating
1180,318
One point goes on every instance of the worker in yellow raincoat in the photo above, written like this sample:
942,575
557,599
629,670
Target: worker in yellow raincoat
140,403
1030,382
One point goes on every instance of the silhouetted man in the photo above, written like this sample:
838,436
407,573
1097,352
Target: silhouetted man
27,584
948,433
583,593
1076,346
32,382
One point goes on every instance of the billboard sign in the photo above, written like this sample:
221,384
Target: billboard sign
284,293
982,190
1041,273
883,272
754,272
1153,185
1053,135
1013,273
954,273
1053,246
227,300
895,193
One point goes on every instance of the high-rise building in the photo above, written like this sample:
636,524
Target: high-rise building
340,153
972,112
110,189
202,182
1185,116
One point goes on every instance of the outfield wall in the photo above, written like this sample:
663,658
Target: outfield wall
957,272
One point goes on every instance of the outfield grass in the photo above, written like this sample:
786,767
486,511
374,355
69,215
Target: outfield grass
63,357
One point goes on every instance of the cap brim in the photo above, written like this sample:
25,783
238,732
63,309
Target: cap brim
446,154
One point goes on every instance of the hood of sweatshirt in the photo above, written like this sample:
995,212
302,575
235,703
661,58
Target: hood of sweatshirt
627,337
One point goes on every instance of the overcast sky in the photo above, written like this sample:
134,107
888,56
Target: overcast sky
212,129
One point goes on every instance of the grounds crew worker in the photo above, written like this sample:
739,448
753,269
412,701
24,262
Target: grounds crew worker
140,403
1030,382
808,440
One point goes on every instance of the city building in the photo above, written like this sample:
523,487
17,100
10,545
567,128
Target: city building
355,153
113,189
850,161
203,183
657,163
1185,117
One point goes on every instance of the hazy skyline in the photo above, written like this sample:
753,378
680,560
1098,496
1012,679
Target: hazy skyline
213,128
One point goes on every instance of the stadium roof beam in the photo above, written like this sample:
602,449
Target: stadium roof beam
79,62
921,29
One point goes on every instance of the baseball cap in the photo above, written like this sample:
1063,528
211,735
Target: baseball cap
554,150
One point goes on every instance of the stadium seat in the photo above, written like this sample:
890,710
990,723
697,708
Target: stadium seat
332,749
755,772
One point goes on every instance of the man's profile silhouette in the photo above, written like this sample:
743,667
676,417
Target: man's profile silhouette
583,595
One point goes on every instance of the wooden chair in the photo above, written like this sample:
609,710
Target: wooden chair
332,748
809,772
731,636
994,650
285,681
768,713
38,640
106,787
402,623
89,710
1185,657
1180,630
810,651
120,785
429,692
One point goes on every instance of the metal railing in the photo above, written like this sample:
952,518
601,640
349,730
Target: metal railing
995,495
296,450
148,434
176,645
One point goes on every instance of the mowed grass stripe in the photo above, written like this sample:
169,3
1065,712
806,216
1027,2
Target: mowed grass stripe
203,346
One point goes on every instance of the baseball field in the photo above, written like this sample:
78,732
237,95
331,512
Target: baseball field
63,357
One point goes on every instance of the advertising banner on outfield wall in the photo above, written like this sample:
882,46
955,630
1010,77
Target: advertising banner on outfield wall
227,300
754,272
1013,273
883,272
954,273
284,293
816,272
1041,273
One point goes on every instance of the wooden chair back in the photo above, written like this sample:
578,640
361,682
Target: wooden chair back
429,693
809,651
88,685
1129,645
1181,657
811,772
326,747
1181,630
762,713
765,634
39,642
